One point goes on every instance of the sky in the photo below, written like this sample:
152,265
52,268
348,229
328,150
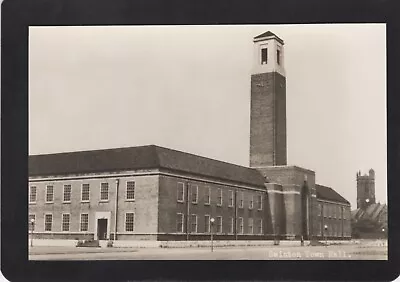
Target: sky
188,88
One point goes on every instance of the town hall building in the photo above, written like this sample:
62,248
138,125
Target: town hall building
155,193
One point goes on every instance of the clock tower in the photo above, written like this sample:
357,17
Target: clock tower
268,102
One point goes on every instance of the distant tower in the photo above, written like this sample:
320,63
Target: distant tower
268,102
365,189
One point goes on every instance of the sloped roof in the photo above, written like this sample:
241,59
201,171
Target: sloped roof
268,34
141,157
327,193
372,211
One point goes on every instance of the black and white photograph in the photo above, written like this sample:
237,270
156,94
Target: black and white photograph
214,142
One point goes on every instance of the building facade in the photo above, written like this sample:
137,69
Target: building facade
155,193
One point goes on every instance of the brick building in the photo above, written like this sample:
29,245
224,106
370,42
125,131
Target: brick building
155,193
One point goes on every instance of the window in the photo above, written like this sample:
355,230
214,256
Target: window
48,222
180,192
334,211
49,193
193,222
241,225
67,193
231,224
129,221
32,225
85,195
319,209
278,56
250,225
219,224
65,222
264,56
324,208
219,197
241,200
251,202
260,226
207,196
104,191
231,198
84,222
179,222
130,190
32,194
207,224
195,193
259,202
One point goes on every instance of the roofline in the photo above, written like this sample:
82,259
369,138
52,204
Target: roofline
269,37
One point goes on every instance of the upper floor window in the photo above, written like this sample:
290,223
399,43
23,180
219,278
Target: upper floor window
259,202
241,199
181,192
104,191
278,56
85,195
251,204
67,193
49,193
207,196
219,197
264,56
195,194
130,190
32,194
231,198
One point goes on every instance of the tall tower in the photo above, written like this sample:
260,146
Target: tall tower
268,102
365,189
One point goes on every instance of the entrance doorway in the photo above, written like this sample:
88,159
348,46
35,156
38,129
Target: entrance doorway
102,229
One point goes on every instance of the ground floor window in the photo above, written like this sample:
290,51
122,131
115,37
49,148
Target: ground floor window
48,222
179,222
241,225
193,222
207,223
65,222
260,226
231,224
84,222
129,221
250,225
219,224
32,222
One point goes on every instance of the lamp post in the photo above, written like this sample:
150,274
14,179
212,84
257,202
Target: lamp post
32,226
326,237
212,239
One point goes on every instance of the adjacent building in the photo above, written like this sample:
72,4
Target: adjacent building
156,193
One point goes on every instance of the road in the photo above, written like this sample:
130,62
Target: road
334,252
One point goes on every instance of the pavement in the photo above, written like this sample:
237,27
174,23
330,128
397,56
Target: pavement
364,251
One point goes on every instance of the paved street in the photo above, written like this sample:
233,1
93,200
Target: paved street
334,252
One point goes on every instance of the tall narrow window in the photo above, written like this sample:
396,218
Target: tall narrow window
85,195
231,198
65,221
260,226
241,226
179,222
49,193
193,222
67,193
241,199
180,192
130,190
250,225
251,202
278,56
231,224
207,224
104,191
319,209
48,222
32,194
219,197
264,56
84,222
32,225
260,203
219,224
195,193
129,222
207,195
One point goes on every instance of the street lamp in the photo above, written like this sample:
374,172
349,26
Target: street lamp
326,239
212,239
32,227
